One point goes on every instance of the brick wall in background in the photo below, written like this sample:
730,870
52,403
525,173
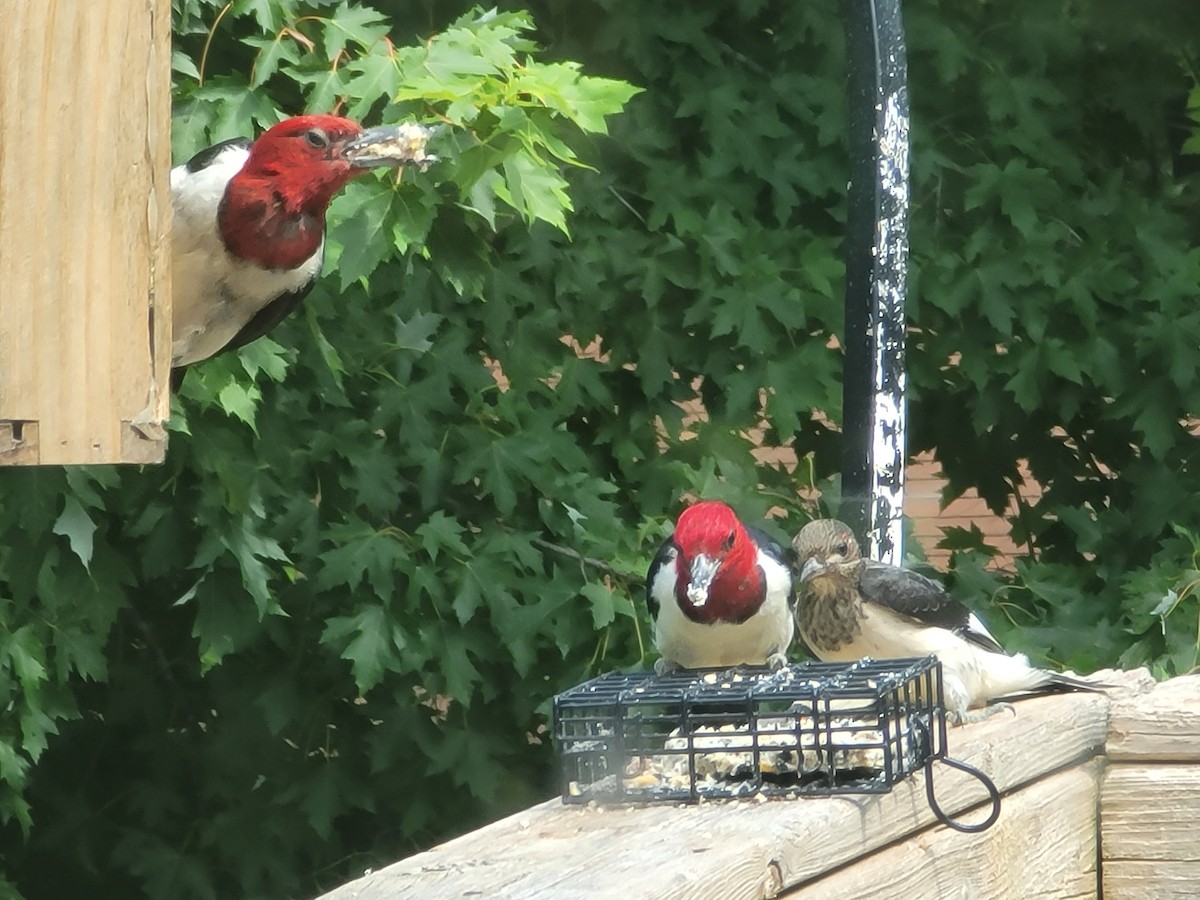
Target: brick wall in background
922,504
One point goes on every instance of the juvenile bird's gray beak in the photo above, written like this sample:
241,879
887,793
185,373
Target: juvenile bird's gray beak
813,566
391,145
704,570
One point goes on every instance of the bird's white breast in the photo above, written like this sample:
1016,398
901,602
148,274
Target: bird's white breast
213,293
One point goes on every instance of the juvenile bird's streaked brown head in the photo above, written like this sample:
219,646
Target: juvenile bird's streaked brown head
822,544
829,610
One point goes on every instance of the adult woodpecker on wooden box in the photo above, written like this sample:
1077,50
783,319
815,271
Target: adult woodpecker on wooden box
249,231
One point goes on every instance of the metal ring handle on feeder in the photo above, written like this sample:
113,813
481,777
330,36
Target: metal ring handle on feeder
993,795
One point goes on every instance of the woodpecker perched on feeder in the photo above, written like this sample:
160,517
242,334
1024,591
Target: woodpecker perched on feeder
249,231
720,593
849,608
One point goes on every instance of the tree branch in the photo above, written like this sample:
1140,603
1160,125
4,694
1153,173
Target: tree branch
594,563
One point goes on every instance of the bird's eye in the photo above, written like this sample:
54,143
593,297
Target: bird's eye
316,138
842,548
728,543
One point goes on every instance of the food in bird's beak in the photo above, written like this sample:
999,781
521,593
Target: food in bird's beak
703,571
391,145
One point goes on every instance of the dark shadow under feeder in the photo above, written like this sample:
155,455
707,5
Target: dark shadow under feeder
808,729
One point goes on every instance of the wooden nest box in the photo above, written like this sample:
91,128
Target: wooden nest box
85,206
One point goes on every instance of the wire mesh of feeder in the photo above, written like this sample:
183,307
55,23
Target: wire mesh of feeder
805,729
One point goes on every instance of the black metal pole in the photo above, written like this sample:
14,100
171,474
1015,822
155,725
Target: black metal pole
876,269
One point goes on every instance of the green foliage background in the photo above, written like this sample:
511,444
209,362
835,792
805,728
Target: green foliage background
325,632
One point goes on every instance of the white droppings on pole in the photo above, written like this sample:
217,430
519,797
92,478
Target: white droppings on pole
885,514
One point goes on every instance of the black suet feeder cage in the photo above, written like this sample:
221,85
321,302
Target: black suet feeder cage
807,729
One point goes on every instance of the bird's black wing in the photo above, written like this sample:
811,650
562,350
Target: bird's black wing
921,598
664,556
268,317
770,546
208,155
785,556
262,322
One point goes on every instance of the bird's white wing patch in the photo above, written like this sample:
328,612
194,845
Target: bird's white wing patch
975,624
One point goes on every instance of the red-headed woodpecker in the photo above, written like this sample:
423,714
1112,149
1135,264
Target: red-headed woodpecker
720,593
249,232
849,608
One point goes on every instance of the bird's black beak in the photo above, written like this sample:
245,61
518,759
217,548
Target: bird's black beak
813,567
390,145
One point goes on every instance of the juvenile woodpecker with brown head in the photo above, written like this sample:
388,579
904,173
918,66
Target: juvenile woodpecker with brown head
249,231
720,593
849,608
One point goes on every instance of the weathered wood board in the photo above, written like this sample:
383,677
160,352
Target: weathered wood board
731,850
84,231
1162,725
1028,853
1139,879
1151,812
1150,794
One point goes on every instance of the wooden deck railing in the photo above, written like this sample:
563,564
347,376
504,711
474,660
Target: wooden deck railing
1096,789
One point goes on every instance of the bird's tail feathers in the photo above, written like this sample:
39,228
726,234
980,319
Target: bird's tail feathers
1057,683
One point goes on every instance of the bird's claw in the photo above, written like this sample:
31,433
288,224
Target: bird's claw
665,666
971,716
776,661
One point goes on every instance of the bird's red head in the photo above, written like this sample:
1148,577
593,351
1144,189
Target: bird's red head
717,572
708,527
273,212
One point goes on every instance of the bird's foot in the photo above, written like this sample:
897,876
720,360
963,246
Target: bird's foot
971,716
776,661
666,666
